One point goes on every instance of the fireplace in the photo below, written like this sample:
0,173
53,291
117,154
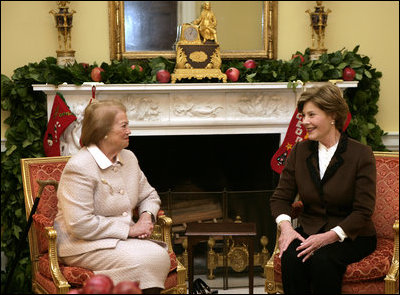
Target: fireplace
203,178
199,141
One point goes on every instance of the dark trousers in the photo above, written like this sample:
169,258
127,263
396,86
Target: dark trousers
322,273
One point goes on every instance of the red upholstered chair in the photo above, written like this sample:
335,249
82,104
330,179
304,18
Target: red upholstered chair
50,276
377,273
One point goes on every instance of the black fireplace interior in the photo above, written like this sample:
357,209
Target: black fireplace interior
212,163
207,162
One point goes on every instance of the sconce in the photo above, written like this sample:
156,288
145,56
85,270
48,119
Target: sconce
319,19
63,19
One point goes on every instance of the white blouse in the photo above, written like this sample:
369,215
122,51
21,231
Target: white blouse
325,155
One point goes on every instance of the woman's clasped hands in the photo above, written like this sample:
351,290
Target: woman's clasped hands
307,246
143,228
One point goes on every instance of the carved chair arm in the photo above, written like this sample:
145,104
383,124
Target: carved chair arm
162,231
393,273
270,285
58,279
297,208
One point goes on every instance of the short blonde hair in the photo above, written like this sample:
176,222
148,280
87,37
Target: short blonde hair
328,98
98,120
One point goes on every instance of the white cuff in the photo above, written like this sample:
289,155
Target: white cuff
283,217
339,231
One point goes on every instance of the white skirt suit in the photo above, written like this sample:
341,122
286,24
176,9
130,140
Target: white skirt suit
95,202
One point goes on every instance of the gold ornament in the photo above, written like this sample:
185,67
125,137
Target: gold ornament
319,20
63,19
197,51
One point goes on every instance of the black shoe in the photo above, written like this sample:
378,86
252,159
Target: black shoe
200,287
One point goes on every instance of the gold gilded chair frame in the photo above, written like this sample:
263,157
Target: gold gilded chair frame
162,232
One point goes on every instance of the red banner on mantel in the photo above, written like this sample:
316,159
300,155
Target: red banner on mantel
295,133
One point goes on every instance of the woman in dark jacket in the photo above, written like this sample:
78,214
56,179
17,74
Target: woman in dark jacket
335,178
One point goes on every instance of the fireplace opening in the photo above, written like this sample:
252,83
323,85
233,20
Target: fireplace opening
211,177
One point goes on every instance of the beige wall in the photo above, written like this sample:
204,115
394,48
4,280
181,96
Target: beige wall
371,24
28,34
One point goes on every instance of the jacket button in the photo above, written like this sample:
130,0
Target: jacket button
121,191
115,169
125,214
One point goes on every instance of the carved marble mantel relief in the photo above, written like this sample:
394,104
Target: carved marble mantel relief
183,109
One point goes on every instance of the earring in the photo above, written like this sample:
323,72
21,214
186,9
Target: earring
105,137
332,122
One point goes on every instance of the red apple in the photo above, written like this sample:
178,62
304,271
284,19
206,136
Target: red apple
348,74
127,287
250,64
98,284
134,67
95,74
75,291
301,58
84,65
163,76
232,74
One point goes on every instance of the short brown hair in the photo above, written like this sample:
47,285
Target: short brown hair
328,98
98,120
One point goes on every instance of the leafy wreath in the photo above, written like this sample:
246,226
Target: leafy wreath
28,117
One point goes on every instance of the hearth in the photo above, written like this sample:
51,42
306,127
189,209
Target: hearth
207,178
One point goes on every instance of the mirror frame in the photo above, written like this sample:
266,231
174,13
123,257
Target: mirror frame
117,36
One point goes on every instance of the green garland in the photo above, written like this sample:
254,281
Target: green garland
28,118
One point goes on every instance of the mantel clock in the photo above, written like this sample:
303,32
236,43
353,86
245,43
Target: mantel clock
197,51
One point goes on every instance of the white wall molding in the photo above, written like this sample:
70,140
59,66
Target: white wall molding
391,141
3,144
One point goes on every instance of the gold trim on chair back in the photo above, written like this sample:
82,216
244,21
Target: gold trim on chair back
31,191
392,278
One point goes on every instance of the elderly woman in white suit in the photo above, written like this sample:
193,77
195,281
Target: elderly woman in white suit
100,187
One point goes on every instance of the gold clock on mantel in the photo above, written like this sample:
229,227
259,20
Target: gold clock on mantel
197,51
190,35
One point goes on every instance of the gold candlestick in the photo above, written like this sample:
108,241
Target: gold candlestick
63,19
319,19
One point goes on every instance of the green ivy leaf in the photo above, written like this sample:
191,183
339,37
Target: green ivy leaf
11,150
341,66
250,77
371,126
304,76
318,74
363,139
356,63
367,74
16,230
18,212
26,143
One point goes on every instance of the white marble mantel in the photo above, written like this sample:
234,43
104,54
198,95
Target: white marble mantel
191,109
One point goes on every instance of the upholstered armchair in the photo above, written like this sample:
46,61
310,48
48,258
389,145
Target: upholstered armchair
40,177
377,273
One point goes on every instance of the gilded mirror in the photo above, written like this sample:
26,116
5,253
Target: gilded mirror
148,29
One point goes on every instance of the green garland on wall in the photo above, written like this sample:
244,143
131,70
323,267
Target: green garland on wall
28,117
